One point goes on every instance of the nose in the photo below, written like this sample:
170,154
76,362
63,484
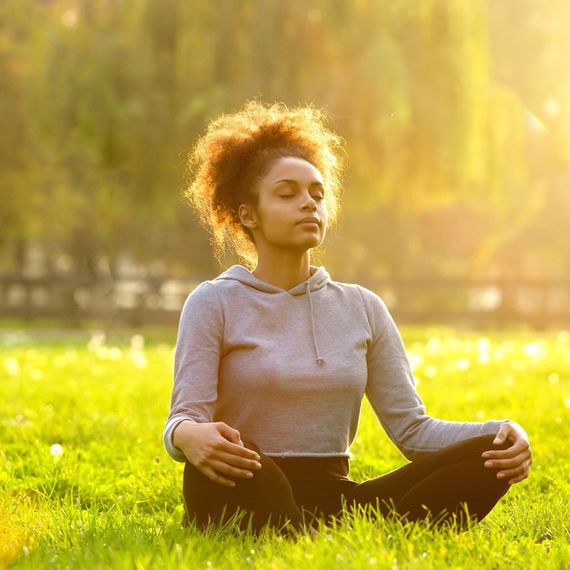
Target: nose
309,202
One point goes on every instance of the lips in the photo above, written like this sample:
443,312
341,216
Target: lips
310,219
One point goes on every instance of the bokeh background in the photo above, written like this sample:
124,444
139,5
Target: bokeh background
456,210
456,115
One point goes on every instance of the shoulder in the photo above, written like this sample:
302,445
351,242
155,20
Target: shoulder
204,291
372,300
201,312
377,311
204,297
359,294
351,290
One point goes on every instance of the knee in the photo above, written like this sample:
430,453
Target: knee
480,443
488,440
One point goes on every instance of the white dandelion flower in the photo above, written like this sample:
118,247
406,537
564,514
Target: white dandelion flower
12,366
139,359
137,342
463,364
56,451
96,341
533,350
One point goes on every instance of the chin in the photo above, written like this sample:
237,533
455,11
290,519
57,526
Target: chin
310,244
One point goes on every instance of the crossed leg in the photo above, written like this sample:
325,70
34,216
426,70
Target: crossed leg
440,485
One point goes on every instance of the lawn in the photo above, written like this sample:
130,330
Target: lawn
86,483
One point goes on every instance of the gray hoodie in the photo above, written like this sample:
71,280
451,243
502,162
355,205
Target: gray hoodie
289,368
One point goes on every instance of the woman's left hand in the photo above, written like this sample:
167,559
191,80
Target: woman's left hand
514,461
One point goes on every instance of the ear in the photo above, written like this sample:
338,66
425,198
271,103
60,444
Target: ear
247,216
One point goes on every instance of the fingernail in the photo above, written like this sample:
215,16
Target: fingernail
485,455
488,464
500,475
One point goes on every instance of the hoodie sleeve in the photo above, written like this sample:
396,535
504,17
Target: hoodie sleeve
391,391
196,362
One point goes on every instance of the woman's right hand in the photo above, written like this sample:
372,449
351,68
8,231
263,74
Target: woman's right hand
208,446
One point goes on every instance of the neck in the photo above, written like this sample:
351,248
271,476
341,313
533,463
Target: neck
283,271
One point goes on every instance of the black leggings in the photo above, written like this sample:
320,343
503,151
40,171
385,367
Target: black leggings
289,493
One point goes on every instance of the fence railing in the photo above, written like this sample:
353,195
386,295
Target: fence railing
151,300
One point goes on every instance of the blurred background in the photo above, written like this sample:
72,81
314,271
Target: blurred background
456,114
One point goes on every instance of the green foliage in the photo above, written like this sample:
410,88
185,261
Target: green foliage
443,104
111,496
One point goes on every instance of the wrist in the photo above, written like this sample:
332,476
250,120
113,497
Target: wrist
183,425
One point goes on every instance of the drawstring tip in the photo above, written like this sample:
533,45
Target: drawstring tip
320,361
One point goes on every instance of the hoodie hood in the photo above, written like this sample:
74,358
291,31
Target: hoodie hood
319,279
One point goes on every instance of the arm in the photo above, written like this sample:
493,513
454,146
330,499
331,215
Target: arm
392,393
196,362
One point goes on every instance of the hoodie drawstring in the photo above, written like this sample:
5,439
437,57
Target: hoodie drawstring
320,361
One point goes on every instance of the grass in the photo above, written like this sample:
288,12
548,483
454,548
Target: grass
113,499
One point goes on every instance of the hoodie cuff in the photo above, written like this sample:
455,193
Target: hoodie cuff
174,452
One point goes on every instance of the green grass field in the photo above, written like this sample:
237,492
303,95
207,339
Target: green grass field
110,497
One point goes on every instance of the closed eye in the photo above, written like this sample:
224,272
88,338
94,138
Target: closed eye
319,198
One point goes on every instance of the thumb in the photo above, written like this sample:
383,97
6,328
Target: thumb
237,439
501,435
232,434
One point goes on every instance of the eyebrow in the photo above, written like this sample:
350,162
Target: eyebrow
294,182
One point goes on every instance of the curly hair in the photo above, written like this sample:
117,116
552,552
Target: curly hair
225,165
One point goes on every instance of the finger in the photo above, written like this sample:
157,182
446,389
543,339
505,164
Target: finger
517,479
238,461
513,472
503,433
211,474
231,435
509,452
236,439
502,454
508,462
225,469
229,432
236,449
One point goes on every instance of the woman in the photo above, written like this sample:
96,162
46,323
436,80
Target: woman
273,356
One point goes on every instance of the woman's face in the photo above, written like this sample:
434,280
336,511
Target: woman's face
293,189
